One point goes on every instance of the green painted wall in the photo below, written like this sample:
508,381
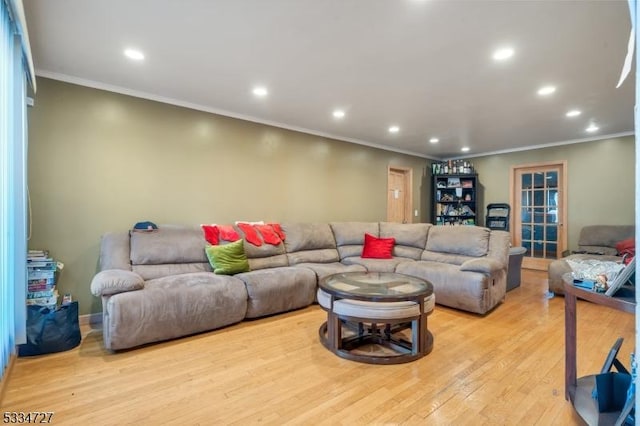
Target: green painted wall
600,185
100,161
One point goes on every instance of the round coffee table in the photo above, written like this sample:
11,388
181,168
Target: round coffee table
369,315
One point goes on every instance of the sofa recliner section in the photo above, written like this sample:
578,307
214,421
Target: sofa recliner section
172,306
465,265
145,300
282,289
159,285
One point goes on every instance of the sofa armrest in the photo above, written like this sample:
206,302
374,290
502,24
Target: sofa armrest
485,265
114,281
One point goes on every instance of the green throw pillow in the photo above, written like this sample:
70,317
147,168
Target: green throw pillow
228,259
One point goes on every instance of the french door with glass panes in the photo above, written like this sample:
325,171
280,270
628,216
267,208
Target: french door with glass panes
538,198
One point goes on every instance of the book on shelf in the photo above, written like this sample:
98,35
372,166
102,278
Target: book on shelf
42,293
39,275
41,285
44,301
466,183
453,182
41,269
38,254
41,281
33,288
41,266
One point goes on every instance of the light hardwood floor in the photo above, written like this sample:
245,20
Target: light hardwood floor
506,368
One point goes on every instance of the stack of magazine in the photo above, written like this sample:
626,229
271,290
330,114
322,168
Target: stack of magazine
41,276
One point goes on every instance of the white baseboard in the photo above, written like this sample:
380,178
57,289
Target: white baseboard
91,319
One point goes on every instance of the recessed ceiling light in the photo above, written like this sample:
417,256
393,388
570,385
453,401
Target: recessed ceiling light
338,113
434,140
502,54
465,149
260,91
546,90
592,128
394,129
573,113
134,54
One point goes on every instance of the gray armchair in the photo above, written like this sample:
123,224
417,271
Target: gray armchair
595,242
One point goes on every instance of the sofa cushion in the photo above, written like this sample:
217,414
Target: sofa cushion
149,272
453,259
375,310
171,307
323,270
112,281
228,259
462,240
169,244
369,310
115,251
309,243
411,238
602,239
349,236
598,250
377,248
276,290
376,265
484,265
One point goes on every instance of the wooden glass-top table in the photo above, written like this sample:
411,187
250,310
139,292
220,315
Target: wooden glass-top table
370,314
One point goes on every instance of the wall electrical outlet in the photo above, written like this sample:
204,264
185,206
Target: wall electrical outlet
415,213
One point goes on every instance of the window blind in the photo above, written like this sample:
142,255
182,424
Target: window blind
15,70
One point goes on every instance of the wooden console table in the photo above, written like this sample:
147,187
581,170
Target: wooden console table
578,390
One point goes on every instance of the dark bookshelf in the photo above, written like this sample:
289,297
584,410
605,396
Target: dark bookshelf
455,199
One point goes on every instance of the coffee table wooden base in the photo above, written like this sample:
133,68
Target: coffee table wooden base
372,342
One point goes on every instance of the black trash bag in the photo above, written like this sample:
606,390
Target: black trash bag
51,330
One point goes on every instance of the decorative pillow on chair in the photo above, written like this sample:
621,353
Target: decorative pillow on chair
627,247
228,259
378,248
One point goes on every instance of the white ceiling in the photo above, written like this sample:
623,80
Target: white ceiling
425,66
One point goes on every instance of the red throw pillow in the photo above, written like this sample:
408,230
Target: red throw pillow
627,247
250,233
211,234
623,245
269,234
377,248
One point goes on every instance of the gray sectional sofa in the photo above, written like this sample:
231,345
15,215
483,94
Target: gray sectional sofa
159,285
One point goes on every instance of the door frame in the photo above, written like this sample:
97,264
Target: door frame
529,261
408,188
